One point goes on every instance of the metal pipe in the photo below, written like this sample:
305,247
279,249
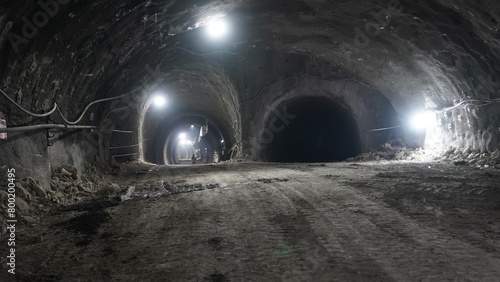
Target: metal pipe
45,126
124,155
122,131
124,147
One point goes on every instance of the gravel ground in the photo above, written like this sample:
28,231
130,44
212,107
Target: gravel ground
366,221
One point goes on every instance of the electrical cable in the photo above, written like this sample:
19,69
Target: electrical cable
464,103
469,103
88,106
56,107
26,111
98,101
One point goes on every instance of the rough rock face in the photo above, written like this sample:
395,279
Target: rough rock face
456,156
410,55
68,186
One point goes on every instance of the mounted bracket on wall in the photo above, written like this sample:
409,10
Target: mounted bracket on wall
50,138
3,124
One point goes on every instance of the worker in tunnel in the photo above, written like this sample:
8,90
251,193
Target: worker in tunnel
193,159
206,156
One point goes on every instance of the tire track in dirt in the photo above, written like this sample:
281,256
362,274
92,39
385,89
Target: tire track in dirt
264,223
337,256
406,249
317,259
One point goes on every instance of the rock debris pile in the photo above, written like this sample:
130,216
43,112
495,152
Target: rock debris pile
472,157
457,156
68,186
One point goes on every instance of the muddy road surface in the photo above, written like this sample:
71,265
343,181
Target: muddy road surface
389,221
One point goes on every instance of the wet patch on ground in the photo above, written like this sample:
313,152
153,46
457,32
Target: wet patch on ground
217,277
271,180
331,176
90,206
88,223
215,242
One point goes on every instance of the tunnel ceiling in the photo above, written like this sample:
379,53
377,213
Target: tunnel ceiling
417,54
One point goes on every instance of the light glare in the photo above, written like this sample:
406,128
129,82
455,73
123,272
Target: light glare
218,29
159,101
422,120
184,142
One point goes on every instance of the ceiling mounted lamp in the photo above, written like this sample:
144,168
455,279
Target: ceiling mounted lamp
422,120
218,29
159,100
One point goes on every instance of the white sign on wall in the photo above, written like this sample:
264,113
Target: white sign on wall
3,124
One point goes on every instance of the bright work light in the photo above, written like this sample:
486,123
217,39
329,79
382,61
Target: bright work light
159,100
218,29
422,120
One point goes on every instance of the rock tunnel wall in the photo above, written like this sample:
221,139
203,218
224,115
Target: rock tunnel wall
417,54
437,55
217,102
369,109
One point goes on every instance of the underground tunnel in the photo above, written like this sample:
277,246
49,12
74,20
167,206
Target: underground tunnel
177,143
274,137
316,132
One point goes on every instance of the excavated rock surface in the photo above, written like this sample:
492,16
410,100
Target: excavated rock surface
418,54
390,221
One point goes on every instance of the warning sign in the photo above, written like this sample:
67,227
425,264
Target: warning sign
3,124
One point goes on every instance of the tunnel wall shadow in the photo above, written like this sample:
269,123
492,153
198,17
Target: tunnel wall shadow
319,130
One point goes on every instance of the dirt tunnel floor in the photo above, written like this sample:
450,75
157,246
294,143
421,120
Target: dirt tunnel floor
277,222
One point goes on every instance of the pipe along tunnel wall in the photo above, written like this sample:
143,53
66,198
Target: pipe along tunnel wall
378,62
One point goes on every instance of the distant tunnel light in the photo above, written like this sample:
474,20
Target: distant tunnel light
184,142
218,29
182,136
159,100
422,120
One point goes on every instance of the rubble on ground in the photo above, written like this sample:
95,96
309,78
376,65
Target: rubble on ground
472,157
457,156
388,152
68,186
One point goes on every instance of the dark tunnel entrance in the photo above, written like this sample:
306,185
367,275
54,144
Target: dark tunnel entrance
321,131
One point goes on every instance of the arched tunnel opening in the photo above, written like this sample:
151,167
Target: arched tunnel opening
177,141
318,131
203,142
